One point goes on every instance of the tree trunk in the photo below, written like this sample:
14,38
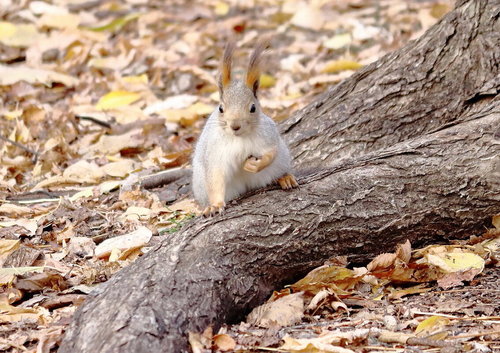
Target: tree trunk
408,149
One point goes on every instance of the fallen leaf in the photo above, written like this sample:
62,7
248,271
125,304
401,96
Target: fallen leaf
8,246
340,65
325,343
111,144
496,221
18,35
456,261
308,16
453,279
185,205
81,246
30,225
267,81
285,311
49,279
403,252
224,342
8,274
119,169
116,24
338,41
381,261
13,74
221,8
336,278
115,99
431,324
14,210
84,172
59,20
11,313
174,102
136,239
438,10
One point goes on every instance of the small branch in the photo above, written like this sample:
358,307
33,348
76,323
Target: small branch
17,144
470,335
94,120
164,177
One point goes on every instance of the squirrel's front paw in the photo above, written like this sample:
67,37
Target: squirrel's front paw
253,164
214,209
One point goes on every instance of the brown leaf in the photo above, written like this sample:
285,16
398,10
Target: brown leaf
453,279
284,311
224,342
403,252
63,300
336,278
40,281
382,261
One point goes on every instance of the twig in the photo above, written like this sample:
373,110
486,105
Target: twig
162,178
94,120
457,317
380,348
17,144
465,290
468,335
423,341
435,314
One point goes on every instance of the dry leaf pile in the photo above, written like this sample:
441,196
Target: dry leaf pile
400,301
101,101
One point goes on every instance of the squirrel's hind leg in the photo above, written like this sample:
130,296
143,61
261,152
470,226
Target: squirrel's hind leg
288,181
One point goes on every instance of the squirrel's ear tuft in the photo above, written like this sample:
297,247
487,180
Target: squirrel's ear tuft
253,73
225,67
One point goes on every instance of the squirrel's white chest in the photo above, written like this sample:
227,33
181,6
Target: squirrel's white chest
234,152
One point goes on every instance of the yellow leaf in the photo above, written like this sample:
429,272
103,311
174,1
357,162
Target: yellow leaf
438,10
8,246
18,35
496,221
87,192
201,108
117,24
338,41
7,275
456,261
221,8
136,79
13,114
431,324
59,20
267,81
109,186
341,65
117,99
11,313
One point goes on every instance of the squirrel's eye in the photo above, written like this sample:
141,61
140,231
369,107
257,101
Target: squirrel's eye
252,108
221,110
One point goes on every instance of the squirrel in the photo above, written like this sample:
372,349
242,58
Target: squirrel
240,148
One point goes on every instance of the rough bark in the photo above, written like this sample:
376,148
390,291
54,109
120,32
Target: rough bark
425,86
408,148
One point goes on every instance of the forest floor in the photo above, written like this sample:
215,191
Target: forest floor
101,101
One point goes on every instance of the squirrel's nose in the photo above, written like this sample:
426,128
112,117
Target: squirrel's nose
235,127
